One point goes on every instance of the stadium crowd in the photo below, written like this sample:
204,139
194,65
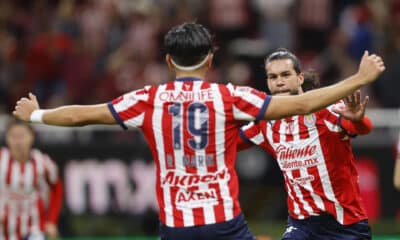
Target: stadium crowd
87,51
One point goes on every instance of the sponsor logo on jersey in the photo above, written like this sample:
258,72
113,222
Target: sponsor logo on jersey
309,120
189,180
302,180
195,199
186,96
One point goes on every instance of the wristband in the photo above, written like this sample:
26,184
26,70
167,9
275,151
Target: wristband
37,116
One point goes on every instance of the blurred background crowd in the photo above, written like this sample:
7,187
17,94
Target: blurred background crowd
90,51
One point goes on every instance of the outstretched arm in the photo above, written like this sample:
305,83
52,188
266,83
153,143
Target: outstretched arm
73,115
371,67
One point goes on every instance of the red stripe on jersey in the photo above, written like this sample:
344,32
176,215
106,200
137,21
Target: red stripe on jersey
275,131
9,171
132,112
35,174
18,227
5,222
218,209
178,214
22,170
303,129
168,133
117,100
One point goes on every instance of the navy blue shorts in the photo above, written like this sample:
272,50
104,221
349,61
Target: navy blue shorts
235,229
325,227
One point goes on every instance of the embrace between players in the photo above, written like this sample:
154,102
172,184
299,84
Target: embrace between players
308,133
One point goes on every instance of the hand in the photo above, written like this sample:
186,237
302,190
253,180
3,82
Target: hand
353,108
51,230
25,107
371,67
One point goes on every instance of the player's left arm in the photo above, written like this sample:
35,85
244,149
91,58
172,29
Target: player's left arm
396,175
55,197
73,115
352,115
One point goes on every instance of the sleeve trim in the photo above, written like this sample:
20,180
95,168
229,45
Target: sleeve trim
244,137
116,116
263,108
340,125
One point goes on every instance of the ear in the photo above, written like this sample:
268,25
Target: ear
210,60
168,61
300,78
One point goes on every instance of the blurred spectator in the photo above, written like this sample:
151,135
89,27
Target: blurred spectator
85,51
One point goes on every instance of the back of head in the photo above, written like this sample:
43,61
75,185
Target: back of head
283,53
311,81
188,44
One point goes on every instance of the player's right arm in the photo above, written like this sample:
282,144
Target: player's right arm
73,115
371,67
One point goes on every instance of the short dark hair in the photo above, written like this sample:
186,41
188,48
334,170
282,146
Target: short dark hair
188,43
16,122
311,80
283,53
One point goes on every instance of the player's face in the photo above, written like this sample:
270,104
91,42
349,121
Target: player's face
282,79
19,138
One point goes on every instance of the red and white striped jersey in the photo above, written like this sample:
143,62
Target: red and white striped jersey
191,127
21,205
315,156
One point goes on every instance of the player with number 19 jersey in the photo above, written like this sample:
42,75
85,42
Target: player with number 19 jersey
191,127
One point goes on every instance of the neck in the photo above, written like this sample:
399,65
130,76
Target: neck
196,74
20,156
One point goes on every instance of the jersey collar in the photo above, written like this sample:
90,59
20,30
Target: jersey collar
188,79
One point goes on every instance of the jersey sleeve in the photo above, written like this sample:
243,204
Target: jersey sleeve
252,133
128,110
249,104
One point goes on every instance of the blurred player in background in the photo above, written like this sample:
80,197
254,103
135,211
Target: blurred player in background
23,171
315,156
191,127
396,175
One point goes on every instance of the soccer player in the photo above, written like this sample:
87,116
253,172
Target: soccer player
191,127
396,175
23,171
315,156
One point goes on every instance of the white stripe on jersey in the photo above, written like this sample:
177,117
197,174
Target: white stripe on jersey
34,214
240,115
325,179
4,161
38,158
24,220
15,176
188,218
220,150
289,190
157,131
209,215
136,121
28,177
303,171
12,222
